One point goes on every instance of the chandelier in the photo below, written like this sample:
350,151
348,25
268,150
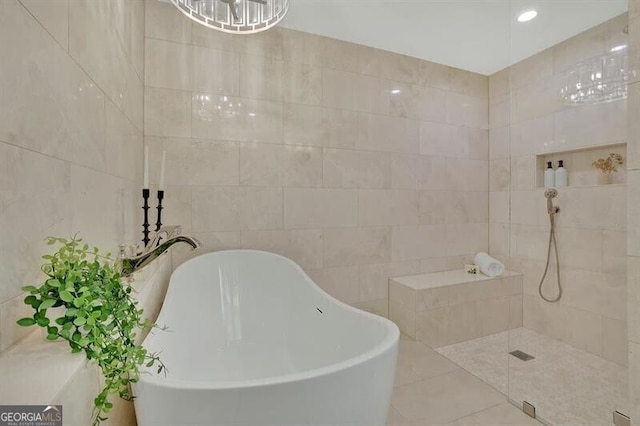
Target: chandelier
598,80
235,16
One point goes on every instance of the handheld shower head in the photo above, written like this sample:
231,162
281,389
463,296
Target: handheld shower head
550,194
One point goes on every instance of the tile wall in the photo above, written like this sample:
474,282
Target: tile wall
528,118
357,163
633,211
71,96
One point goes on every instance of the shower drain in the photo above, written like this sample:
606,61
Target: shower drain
522,355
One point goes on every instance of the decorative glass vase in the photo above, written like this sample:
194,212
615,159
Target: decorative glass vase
605,178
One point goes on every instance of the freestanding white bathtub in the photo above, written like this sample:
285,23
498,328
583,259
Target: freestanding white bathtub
253,341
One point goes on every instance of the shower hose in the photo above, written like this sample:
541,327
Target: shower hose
552,241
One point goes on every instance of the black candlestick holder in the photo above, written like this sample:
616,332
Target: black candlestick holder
159,222
145,208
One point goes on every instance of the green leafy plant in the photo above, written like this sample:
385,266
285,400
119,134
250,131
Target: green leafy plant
100,316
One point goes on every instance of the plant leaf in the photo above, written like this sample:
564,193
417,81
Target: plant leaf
26,322
47,303
66,296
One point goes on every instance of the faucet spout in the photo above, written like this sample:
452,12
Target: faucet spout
133,264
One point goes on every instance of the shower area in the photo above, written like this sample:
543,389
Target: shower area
565,352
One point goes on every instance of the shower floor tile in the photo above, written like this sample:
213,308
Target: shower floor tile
568,386
431,390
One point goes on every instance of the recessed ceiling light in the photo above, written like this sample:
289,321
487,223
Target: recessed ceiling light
527,16
395,91
619,48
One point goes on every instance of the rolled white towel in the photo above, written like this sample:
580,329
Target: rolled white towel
488,265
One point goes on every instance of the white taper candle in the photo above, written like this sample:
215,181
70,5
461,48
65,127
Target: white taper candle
161,184
145,182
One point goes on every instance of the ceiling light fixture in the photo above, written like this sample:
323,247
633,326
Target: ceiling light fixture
597,80
619,48
234,16
527,16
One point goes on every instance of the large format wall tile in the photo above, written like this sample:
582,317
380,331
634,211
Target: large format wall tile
319,150
70,133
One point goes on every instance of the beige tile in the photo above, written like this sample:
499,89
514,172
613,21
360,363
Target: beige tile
95,45
280,165
467,111
302,246
315,50
177,207
499,142
432,104
615,346
503,414
377,207
633,109
109,207
356,246
466,238
167,113
236,208
423,361
320,208
389,65
302,83
499,175
432,298
86,381
633,214
404,318
378,307
373,281
467,175
123,144
340,282
170,65
261,77
574,126
634,382
416,242
355,169
229,118
412,171
53,16
10,311
210,242
492,316
71,116
454,80
354,92
403,295
162,22
391,134
515,311
444,398
633,288
216,71
405,100
194,161
318,126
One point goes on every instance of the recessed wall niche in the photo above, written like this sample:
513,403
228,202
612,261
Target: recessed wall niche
579,165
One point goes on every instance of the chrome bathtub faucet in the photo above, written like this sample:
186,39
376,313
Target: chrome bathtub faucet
162,240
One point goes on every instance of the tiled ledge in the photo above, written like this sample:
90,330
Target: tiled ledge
37,371
448,307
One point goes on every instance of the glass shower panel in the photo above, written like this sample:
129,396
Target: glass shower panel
567,358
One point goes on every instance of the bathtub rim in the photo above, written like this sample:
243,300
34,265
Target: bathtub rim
390,340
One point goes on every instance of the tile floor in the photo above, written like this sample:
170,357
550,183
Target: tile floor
431,390
567,385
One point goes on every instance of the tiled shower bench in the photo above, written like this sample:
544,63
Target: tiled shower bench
442,308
